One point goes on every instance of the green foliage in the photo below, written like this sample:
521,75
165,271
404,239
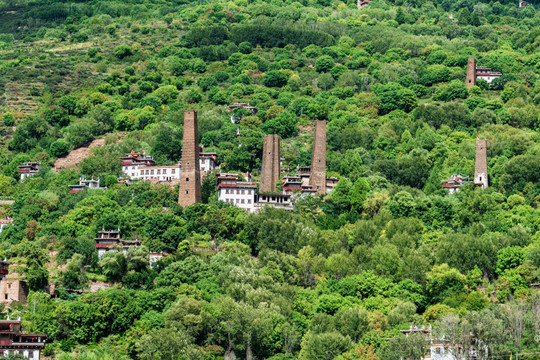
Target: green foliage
389,246
122,51
59,148
8,119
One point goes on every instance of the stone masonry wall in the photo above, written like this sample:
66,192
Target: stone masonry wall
190,183
471,73
270,163
480,164
318,158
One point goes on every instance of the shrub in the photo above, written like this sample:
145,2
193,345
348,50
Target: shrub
121,51
59,148
9,119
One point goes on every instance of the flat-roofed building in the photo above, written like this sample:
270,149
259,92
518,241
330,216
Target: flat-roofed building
159,172
85,184
13,341
28,169
109,240
278,201
238,193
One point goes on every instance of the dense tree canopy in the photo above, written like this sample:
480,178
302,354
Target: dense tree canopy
339,276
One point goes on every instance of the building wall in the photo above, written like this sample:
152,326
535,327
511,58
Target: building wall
480,164
488,78
32,354
239,197
318,158
276,161
190,182
159,173
471,73
207,164
270,163
13,290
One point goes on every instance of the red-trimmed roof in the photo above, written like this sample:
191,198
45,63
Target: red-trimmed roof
451,185
104,246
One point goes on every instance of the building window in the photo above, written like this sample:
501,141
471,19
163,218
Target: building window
159,171
242,201
164,171
249,201
151,172
172,171
5,297
187,179
187,192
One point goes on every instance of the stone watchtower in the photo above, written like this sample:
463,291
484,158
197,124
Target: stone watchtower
190,178
480,164
471,73
317,177
270,163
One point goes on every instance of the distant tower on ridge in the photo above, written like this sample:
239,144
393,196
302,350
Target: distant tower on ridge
480,164
471,73
190,179
270,163
317,178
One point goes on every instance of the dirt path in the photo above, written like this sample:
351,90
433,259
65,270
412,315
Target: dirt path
74,158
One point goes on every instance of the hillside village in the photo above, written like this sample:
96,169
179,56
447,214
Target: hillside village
348,180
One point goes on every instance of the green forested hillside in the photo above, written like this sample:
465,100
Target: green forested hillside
342,274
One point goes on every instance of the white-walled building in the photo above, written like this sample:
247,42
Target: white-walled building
154,257
28,169
110,241
5,222
158,173
13,341
207,162
487,74
239,193
278,201
132,161
139,166
85,184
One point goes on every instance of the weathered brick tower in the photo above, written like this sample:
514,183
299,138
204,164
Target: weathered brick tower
317,178
480,164
190,179
270,163
471,73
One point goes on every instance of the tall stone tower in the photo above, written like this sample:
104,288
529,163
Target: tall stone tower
270,163
190,179
480,164
471,73
317,178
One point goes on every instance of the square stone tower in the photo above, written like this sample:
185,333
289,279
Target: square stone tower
270,163
480,164
190,178
471,73
317,177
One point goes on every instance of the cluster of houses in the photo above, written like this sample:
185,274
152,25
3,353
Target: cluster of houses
244,193
139,166
455,181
